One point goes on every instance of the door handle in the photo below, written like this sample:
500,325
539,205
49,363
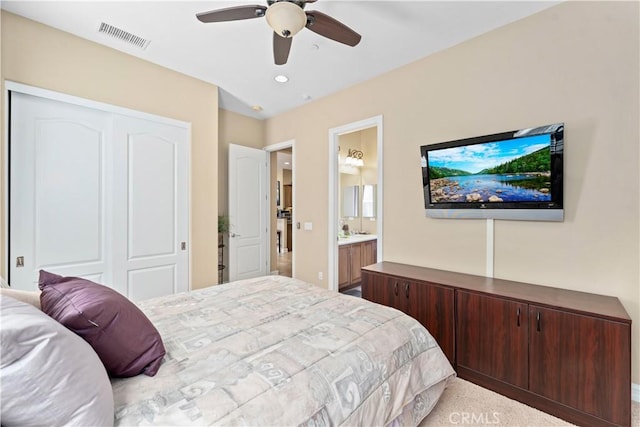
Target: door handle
406,289
396,288
538,322
518,317
234,235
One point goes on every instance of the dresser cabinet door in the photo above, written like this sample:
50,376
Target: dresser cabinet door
581,361
433,307
493,337
376,288
396,298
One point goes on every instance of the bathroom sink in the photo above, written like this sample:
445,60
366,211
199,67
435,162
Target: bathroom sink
355,238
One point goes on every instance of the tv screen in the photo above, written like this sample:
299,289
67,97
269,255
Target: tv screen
508,175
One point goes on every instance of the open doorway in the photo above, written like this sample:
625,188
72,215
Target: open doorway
284,212
355,202
282,208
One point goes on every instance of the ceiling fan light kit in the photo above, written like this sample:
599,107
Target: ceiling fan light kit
286,18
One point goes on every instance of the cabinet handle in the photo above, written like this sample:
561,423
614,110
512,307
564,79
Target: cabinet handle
518,317
538,322
396,288
406,289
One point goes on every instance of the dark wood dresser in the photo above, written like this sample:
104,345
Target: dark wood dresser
564,352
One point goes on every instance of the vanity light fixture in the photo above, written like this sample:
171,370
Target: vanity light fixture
354,158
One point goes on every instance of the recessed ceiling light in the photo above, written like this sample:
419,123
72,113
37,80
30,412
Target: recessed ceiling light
256,107
281,78
286,163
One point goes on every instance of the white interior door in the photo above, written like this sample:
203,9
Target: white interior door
98,195
151,195
59,206
247,212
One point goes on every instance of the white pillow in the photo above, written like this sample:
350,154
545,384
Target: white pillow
49,375
31,297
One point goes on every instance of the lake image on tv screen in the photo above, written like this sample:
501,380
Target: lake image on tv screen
515,170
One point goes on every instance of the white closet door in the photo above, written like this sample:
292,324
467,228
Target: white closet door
151,193
59,191
98,195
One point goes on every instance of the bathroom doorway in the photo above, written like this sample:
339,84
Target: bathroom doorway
355,207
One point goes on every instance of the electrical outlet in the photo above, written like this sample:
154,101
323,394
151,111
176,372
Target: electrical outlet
320,275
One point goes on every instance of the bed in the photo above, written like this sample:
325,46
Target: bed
265,351
278,351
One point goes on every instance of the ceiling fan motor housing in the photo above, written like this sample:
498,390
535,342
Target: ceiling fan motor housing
300,3
286,17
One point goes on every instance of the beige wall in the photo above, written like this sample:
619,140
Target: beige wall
236,129
576,62
41,56
287,176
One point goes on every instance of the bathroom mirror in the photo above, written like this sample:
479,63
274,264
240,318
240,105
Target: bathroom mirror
350,201
369,201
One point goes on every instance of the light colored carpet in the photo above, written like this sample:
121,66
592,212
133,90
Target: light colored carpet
466,404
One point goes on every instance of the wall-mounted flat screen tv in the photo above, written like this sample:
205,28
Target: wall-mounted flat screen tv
509,175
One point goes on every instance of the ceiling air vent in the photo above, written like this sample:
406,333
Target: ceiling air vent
125,36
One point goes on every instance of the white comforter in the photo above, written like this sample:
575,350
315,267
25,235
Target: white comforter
278,351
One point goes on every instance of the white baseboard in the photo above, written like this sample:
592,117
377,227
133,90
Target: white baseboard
635,392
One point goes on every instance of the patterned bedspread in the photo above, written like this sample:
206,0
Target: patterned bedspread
277,351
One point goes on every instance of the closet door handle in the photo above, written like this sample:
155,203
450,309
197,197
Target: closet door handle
406,289
538,321
518,317
396,288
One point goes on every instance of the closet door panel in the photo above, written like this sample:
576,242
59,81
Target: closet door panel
151,193
59,203
68,192
151,196
164,279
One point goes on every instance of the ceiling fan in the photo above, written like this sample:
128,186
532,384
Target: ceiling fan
287,18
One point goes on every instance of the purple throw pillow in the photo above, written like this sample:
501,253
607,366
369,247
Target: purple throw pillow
123,337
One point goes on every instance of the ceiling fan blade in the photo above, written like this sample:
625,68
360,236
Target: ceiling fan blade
281,48
331,28
232,13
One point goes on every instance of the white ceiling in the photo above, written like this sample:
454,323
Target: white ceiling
237,56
